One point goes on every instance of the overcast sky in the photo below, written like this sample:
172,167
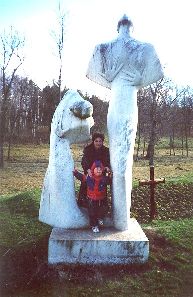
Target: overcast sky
167,24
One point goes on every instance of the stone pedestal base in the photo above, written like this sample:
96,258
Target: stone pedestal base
108,247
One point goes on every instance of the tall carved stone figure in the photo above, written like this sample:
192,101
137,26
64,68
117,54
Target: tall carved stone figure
123,65
71,123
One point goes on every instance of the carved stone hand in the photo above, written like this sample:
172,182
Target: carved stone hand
110,74
133,76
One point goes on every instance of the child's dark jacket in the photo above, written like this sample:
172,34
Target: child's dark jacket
96,186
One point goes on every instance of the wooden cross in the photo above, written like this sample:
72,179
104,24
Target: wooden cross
152,182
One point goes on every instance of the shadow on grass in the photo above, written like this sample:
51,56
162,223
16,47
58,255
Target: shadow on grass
24,267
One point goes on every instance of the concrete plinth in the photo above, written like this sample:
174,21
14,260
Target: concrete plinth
107,247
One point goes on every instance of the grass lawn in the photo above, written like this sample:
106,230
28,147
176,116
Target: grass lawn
28,164
23,239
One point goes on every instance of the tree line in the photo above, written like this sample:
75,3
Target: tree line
163,111
26,110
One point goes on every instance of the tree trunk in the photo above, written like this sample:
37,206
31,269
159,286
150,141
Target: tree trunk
9,150
186,135
1,156
182,145
151,145
186,145
138,142
172,144
144,143
150,152
2,135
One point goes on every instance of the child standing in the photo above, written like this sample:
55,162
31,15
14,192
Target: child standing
96,193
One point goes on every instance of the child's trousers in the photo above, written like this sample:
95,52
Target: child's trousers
96,210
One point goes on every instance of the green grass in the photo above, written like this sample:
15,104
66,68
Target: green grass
178,232
168,273
165,142
183,179
18,220
27,167
24,240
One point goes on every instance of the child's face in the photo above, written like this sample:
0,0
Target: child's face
98,171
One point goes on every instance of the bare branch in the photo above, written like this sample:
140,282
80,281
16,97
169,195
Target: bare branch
12,59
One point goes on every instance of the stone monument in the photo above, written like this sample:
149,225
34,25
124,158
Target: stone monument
123,65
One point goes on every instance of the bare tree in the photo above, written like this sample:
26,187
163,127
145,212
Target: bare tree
59,36
156,93
177,119
186,117
10,61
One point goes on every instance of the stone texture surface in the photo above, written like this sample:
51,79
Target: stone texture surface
108,247
123,65
71,123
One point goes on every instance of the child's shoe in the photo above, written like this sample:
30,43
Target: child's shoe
95,229
100,222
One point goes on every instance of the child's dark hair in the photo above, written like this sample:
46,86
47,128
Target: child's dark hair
96,135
